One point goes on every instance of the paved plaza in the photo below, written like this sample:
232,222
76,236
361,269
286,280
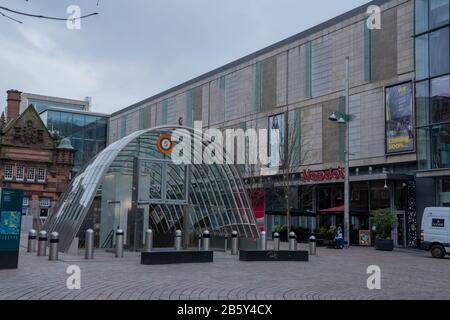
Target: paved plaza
333,274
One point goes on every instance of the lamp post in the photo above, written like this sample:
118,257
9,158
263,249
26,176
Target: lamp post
343,119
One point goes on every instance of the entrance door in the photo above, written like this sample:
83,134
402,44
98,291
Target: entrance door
399,233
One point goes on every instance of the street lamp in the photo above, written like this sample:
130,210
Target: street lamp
343,119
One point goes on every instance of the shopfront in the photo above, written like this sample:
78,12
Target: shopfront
319,205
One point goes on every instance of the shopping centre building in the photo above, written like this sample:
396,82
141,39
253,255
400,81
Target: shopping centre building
399,81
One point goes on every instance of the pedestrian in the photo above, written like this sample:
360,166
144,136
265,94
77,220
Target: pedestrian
339,238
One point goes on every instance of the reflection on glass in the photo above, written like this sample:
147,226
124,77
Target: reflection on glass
421,16
440,146
422,69
439,52
439,13
440,99
422,103
423,149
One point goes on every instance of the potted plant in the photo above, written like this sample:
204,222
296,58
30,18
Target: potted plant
384,221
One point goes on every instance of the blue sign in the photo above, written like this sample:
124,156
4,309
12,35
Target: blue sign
10,219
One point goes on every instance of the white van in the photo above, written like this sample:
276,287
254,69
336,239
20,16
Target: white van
435,233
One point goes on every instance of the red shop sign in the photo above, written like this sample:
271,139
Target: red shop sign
325,175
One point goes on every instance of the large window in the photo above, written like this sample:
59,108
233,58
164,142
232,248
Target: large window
9,172
433,83
42,175
20,173
439,52
31,174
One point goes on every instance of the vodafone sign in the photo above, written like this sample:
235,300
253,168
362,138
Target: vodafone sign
325,175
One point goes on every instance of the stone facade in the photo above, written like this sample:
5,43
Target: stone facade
32,159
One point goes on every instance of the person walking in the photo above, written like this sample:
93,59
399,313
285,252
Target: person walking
339,238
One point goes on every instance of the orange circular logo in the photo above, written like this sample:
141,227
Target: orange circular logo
165,144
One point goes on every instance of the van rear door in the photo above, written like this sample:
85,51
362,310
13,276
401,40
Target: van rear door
437,229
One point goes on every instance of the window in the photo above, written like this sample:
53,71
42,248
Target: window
31,174
44,202
8,172
439,13
276,141
439,52
440,146
123,126
440,100
26,202
42,173
24,211
422,70
20,173
421,16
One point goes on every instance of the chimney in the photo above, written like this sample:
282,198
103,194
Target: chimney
13,106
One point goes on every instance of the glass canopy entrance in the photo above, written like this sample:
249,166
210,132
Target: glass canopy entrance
133,185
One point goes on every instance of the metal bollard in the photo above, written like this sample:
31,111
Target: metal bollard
148,247
178,240
119,243
89,249
54,243
263,240
312,246
200,240
32,236
42,244
292,241
276,241
234,243
206,241
226,243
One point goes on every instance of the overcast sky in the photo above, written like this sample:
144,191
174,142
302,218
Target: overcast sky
136,48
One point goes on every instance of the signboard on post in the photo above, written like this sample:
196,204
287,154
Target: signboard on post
10,224
400,118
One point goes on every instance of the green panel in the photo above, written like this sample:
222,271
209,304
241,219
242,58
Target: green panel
165,111
123,126
222,82
258,86
297,136
342,131
308,78
368,72
189,109
141,119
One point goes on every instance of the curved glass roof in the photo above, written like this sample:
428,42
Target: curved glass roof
215,192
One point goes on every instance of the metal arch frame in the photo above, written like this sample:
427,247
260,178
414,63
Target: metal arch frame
75,203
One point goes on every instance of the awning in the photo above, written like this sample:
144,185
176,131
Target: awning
340,210
294,213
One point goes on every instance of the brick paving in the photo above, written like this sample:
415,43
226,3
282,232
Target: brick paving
333,274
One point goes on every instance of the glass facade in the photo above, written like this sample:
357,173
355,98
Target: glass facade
87,133
433,83
43,105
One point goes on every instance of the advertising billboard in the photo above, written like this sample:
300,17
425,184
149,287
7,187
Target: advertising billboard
10,224
400,137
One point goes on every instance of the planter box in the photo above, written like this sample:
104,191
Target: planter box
384,245
176,257
259,255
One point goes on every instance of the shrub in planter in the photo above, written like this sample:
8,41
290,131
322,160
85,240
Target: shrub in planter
384,221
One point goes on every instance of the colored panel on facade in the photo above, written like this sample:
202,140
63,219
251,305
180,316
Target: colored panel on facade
367,54
309,62
165,111
189,121
258,86
342,131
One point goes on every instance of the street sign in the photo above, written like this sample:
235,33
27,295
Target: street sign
11,201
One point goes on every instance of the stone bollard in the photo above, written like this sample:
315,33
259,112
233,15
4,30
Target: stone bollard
42,244
89,248
32,236
276,241
54,243
206,241
178,240
148,247
234,243
119,243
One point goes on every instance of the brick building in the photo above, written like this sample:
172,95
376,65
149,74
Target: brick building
33,159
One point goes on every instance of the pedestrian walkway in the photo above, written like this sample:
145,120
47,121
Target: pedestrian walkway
333,274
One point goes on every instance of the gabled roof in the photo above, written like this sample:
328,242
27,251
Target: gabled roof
30,110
